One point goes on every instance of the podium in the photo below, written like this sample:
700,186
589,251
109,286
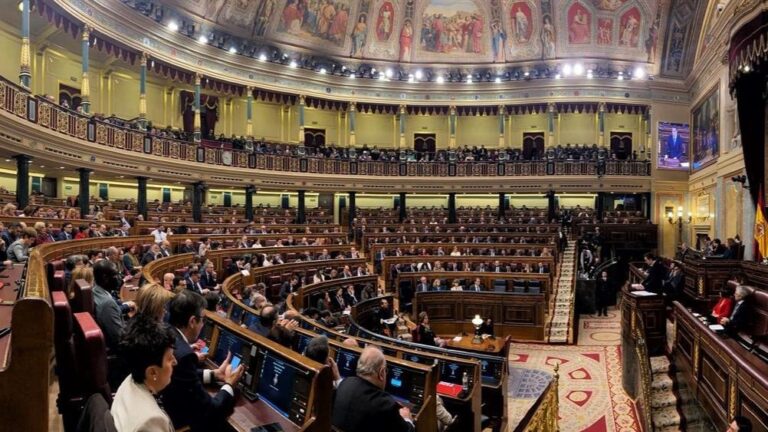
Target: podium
648,307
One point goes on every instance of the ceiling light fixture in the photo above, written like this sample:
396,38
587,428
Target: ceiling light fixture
389,73
567,69
232,50
440,79
263,57
293,64
557,76
639,73
419,74
322,71
578,69
173,26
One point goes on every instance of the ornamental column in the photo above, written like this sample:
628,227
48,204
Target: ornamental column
502,115
85,90
22,180
403,210
197,121
551,123
452,127
25,71
647,146
249,202
198,189
143,92
249,113
452,208
352,123
141,198
352,211
401,120
301,212
85,191
302,105
601,124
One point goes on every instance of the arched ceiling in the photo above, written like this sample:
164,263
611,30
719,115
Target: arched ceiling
435,33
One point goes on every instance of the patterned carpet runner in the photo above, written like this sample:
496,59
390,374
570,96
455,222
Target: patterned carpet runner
562,305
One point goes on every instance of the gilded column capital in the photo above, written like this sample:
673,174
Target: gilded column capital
402,109
86,32
353,106
198,78
144,58
302,100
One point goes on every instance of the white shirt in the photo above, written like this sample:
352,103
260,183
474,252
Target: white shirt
160,236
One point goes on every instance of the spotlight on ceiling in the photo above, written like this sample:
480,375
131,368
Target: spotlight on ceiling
639,73
440,79
411,78
621,76
262,57
578,69
469,79
589,74
557,76
567,70
232,50
173,26
498,80
203,40
389,73
419,75
322,71
293,64
353,75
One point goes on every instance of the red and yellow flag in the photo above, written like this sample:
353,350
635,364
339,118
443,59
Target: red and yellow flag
761,228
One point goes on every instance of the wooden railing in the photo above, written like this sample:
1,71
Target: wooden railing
44,113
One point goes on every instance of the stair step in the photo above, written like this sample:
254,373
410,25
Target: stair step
663,398
666,417
662,382
659,364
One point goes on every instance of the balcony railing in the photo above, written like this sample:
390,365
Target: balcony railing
44,113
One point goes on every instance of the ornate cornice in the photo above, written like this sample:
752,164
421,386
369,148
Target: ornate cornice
144,35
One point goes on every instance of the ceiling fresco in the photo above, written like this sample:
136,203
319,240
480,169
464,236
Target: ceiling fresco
444,31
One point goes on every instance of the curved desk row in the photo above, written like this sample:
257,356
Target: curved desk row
410,381
724,377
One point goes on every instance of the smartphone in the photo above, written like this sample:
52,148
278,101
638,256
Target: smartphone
235,362
204,350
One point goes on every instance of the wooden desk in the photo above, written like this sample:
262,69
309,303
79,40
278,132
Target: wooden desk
653,313
492,346
8,293
521,316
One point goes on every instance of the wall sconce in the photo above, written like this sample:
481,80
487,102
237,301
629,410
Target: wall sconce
679,221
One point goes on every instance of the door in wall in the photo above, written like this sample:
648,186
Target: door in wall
533,145
425,142
314,138
621,144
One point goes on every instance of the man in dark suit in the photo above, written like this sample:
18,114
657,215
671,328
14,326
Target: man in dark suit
674,145
208,277
673,286
185,399
361,402
656,274
476,286
152,254
194,284
423,285
65,233
742,312
188,247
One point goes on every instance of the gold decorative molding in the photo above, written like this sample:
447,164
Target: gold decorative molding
733,394
696,348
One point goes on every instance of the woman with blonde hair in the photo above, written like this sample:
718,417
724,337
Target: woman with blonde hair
85,273
152,300
8,210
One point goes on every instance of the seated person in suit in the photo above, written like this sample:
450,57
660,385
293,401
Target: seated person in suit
360,402
185,399
437,285
475,286
423,285
317,349
740,317
425,334
724,306
147,347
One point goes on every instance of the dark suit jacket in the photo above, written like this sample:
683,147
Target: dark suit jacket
147,258
740,318
361,406
186,400
473,287
63,236
654,282
207,280
188,249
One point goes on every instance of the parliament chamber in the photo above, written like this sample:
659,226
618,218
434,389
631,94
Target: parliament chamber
383,215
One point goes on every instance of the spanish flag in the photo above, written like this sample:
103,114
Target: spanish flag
761,228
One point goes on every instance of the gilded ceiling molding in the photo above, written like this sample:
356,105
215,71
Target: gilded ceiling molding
108,18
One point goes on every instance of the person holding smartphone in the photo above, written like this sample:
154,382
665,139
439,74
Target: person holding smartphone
185,399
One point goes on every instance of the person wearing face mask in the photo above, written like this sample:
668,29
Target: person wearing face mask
147,347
